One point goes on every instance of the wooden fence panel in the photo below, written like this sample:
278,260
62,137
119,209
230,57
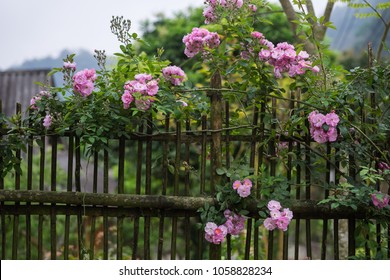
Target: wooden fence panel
139,199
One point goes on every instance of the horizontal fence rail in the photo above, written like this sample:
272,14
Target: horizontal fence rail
307,209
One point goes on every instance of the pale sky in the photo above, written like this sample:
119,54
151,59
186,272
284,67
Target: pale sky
32,29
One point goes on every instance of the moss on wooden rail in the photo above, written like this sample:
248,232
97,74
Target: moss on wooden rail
303,209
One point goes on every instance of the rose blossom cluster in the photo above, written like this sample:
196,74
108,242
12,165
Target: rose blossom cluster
140,90
243,188
210,11
175,75
70,65
382,166
323,128
83,82
199,40
38,97
285,59
279,218
234,225
380,200
258,38
47,121
215,234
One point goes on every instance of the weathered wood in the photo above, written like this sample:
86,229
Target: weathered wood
307,209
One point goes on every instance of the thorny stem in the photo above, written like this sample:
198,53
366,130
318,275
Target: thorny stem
371,142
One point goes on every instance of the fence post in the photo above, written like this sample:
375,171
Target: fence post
216,143
216,126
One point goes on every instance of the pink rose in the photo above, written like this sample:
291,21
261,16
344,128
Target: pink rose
320,136
174,74
235,223
269,224
274,205
47,121
236,184
279,218
83,82
282,223
243,188
244,191
253,7
318,120
215,234
69,65
127,98
287,213
380,200
275,214
332,119
332,134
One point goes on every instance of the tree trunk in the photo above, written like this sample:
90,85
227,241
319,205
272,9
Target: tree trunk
319,30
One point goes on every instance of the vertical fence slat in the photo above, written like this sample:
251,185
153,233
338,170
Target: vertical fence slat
289,173
271,152
253,163
203,162
69,187
187,166
138,191
216,143
148,186
351,237
328,181
15,235
105,190
176,187
336,254
336,245
77,176
42,153
308,191
351,223
53,187
165,149
227,164
29,187
93,218
203,156
298,181
121,190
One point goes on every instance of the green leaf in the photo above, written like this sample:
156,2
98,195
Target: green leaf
221,171
258,223
171,168
334,205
